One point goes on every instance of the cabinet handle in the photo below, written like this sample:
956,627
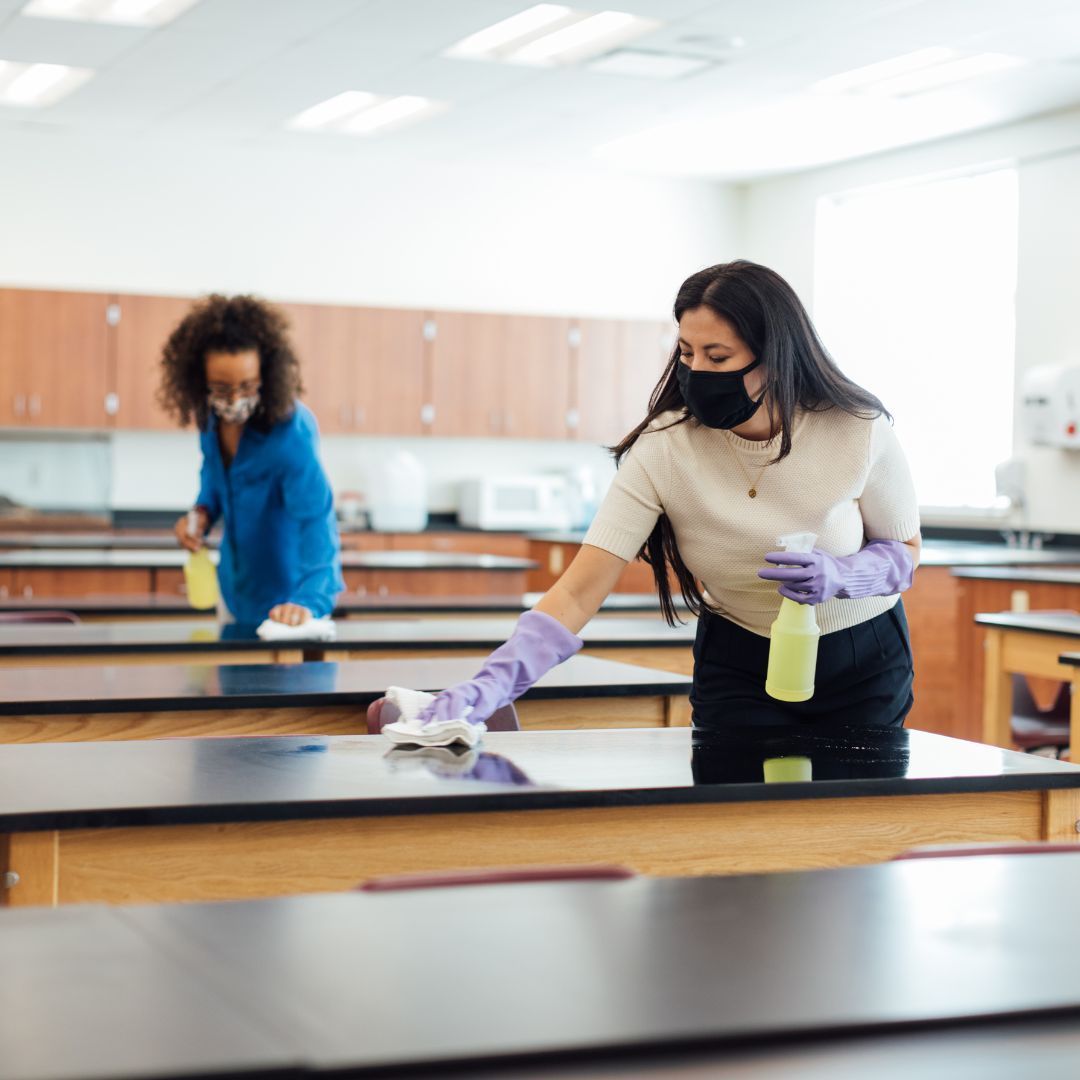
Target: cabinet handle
508,420
20,404
359,415
573,419
3,592
35,405
427,415
384,590
28,592
112,404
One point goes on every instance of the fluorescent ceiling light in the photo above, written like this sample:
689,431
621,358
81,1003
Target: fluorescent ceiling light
358,112
36,85
550,34
524,25
912,73
648,65
118,12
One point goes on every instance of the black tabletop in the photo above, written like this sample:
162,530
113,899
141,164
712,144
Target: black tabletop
149,559
173,605
176,687
104,784
1037,622
202,636
508,972
86,994
1050,575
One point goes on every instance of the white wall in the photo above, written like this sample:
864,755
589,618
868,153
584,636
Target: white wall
334,226
777,225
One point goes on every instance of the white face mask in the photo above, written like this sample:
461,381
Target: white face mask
234,410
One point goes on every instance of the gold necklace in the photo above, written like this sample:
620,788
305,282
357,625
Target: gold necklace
752,492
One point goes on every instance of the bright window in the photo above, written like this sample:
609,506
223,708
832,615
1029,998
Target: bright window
915,298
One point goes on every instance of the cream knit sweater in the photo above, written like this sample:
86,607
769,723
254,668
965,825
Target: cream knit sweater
846,479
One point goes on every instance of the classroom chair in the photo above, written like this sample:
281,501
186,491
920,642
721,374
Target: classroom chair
952,851
511,875
1034,727
43,616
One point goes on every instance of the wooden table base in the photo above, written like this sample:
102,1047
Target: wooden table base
261,859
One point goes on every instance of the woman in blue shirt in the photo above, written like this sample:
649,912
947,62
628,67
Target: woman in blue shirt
229,366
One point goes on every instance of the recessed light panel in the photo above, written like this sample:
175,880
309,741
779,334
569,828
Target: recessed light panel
37,85
118,12
358,112
546,35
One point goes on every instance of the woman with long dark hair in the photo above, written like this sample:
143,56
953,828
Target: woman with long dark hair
230,367
752,433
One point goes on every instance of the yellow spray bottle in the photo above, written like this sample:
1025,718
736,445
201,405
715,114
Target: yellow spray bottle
200,574
793,640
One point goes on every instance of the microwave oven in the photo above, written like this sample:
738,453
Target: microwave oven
514,502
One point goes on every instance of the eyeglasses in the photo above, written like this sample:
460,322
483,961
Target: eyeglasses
226,392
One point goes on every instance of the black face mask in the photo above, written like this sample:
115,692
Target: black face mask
718,399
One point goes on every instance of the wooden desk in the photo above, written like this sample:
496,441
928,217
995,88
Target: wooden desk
242,818
1025,644
146,701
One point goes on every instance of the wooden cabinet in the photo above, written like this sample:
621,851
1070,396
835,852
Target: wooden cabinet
53,359
141,326
34,584
616,365
554,558
7,584
363,368
444,583
509,545
500,375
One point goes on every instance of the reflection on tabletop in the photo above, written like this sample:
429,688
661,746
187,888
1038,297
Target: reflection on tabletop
457,763
783,754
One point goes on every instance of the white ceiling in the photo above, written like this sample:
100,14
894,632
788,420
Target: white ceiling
237,70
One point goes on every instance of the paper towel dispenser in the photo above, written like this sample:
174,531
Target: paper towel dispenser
1050,405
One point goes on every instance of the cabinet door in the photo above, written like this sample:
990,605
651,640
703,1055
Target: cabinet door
60,583
324,337
389,372
597,381
54,349
144,325
536,377
645,349
468,374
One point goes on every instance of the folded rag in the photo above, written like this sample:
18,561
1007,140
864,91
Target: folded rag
321,629
407,730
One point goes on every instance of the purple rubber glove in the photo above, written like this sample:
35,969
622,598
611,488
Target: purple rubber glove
537,644
882,568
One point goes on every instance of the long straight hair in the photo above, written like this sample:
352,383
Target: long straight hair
799,374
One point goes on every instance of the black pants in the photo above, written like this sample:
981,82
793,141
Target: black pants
863,676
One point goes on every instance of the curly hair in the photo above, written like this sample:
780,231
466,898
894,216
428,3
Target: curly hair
229,324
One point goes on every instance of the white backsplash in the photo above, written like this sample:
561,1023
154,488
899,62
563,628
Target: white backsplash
160,470
56,473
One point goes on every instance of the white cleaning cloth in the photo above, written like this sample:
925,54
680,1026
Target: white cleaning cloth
407,705
322,629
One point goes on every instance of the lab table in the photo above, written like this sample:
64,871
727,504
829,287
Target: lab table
922,968
649,642
208,819
39,704
1026,643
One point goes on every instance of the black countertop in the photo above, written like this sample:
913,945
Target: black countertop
187,781
104,559
158,605
175,636
41,691
1039,574
1037,622
578,980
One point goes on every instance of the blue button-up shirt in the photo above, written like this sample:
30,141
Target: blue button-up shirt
280,543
